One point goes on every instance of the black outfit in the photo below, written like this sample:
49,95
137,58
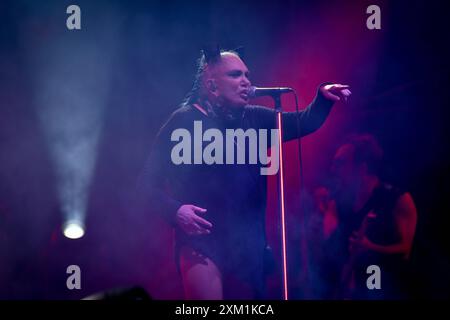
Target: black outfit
233,194
380,230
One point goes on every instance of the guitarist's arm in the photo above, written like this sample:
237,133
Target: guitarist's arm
405,215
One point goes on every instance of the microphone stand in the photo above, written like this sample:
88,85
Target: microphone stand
278,111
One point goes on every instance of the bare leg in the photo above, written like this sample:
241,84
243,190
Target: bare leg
201,277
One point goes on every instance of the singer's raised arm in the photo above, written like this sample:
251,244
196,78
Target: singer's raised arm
310,119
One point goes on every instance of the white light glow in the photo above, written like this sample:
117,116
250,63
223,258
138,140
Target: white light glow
72,81
73,230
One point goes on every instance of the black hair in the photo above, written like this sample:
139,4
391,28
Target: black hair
367,150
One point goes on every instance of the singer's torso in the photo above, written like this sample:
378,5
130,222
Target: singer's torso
234,194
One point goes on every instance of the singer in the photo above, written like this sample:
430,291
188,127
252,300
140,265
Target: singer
218,211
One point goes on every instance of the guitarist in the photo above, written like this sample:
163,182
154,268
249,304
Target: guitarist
377,223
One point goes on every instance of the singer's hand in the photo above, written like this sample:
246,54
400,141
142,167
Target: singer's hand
335,92
190,222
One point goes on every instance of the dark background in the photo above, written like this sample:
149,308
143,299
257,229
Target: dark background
133,62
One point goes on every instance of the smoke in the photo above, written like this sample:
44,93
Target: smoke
71,72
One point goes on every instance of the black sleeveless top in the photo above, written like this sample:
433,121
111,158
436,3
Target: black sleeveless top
381,230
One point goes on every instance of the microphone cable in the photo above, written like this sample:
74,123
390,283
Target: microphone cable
299,143
301,198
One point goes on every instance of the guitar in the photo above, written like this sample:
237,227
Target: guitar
347,279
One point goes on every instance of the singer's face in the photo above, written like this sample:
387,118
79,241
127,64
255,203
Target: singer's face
231,82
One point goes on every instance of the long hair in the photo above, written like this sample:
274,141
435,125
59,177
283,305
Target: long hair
368,150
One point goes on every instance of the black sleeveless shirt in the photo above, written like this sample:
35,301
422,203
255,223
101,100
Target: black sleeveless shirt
381,230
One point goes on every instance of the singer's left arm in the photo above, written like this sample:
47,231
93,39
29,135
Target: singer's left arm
313,116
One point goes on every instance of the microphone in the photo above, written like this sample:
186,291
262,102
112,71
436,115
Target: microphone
254,92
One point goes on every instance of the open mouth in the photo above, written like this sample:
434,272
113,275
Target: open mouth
244,95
